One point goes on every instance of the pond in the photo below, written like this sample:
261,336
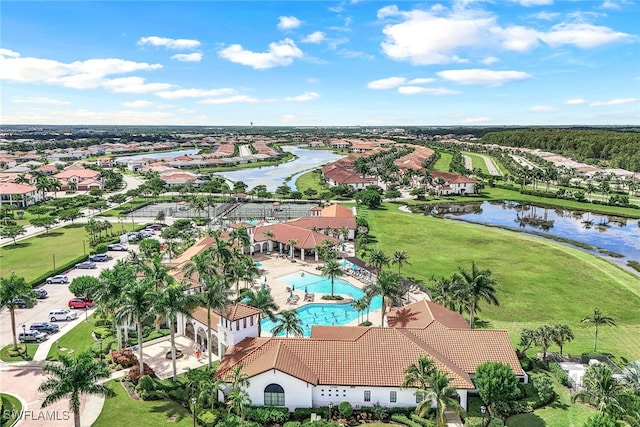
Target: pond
612,233
274,176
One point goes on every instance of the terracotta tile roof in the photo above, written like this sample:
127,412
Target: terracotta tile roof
420,315
200,314
452,178
283,233
13,188
76,171
337,211
238,311
321,222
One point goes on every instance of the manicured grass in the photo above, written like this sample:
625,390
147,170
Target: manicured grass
31,350
477,162
309,180
10,405
78,339
33,257
442,164
121,410
538,281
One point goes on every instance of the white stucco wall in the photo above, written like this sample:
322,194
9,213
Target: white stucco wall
297,393
323,395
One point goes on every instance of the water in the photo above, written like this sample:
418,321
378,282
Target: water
319,313
166,154
615,234
274,176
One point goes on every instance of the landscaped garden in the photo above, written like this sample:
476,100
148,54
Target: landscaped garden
8,354
10,409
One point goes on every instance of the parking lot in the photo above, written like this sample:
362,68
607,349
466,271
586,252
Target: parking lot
58,297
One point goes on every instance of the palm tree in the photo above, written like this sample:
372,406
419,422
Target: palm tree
562,334
445,397
332,269
201,264
479,286
600,389
215,295
401,258
387,287
377,259
70,378
174,300
263,301
240,236
292,246
418,375
136,304
597,320
112,282
238,397
360,305
544,337
289,322
631,376
11,288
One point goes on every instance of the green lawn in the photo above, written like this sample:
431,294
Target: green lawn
309,180
33,257
121,410
477,162
31,350
442,164
538,281
78,339
10,406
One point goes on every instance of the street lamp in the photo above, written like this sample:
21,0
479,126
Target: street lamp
483,409
193,402
54,261
330,410
24,337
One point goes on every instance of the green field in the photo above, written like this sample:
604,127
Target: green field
539,281
33,257
442,164
309,180
477,162
11,407
31,350
121,410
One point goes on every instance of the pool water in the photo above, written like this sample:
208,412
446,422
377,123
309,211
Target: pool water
319,313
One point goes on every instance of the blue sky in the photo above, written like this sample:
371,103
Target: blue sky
321,63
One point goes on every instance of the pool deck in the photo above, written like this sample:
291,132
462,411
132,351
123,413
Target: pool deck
275,267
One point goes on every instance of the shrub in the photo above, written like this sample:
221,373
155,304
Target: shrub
268,414
102,332
561,375
152,395
292,424
126,358
145,383
235,421
101,248
544,388
103,322
345,409
422,421
208,418
302,414
403,419
134,373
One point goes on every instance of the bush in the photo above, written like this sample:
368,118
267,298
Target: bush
403,419
208,418
134,373
101,248
153,395
235,421
125,359
268,414
561,375
345,409
106,345
103,323
302,414
102,332
422,421
292,424
145,383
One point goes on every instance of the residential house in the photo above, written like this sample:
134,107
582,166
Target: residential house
20,195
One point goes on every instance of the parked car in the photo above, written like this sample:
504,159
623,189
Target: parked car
117,247
99,258
41,293
19,302
62,314
46,327
80,303
146,233
60,278
156,227
32,336
86,265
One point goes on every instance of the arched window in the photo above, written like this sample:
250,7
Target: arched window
273,395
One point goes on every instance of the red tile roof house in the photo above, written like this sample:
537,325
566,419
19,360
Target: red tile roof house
85,179
19,195
365,365
454,183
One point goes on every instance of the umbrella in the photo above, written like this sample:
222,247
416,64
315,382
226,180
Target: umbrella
305,289
291,294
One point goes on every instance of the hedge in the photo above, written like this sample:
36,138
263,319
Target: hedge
403,419
559,373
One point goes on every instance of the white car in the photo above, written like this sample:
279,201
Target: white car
62,314
60,278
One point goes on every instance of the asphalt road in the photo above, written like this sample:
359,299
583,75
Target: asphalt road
59,297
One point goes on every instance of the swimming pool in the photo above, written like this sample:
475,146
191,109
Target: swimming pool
320,313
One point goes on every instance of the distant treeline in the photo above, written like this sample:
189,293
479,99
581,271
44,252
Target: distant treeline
619,149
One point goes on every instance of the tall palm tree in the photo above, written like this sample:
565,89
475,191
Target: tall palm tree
240,236
215,295
70,378
174,300
112,283
11,288
562,334
597,320
263,301
201,264
332,269
221,253
544,336
377,259
387,287
292,246
401,258
600,389
238,397
418,375
480,287
445,397
137,304
289,322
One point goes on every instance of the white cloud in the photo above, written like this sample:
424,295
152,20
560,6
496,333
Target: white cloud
355,54
280,53
612,102
133,85
543,109
236,99
417,90
546,16
308,96
315,37
137,104
195,93
575,101
188,57
178,44
529,3
38,100
582,35
490,60
421,81
388,83
476,120
287,118
615,4
483,76
9,53
288,22
517,38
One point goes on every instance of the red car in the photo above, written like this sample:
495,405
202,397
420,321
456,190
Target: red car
80,303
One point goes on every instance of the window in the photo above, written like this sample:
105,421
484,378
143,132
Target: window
367,395
273,395
251,320
237,325
244,322
393,396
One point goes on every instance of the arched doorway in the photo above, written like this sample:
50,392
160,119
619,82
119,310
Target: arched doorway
274,395
214,344
189,331
201,338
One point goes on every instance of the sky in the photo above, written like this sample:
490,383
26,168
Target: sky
320,63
